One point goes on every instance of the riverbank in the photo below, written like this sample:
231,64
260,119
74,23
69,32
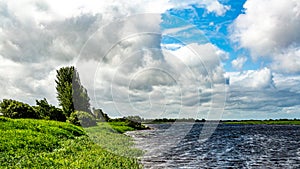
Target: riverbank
29,143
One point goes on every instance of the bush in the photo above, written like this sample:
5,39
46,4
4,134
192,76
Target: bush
15,109
82,118
130,123
48,111
100,115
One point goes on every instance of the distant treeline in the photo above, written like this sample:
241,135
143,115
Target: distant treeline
263,122
171,120
253,120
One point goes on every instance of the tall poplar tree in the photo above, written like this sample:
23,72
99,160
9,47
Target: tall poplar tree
70,93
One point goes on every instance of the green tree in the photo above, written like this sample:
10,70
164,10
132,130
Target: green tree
81,118
135,118
15,109
48,111
81,98
70,93
100,115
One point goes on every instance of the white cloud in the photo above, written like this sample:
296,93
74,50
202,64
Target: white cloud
239,62
271,28
210,5
20,82
262,94
197,54
288,61
253,79
37,37
150,82
177,29
171,46
141,79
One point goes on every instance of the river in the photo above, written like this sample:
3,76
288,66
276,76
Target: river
229,146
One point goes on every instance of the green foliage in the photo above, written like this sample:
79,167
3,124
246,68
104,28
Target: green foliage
43,110
120,126
15,109
64,89
81,99
58,129
28,143
70,93
100,115
105,135
22,137
82,118
135,118
125,123
48,111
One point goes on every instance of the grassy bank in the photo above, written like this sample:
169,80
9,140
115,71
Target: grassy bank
27,143
267,122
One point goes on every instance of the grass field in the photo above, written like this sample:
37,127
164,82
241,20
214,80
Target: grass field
28,143
267,122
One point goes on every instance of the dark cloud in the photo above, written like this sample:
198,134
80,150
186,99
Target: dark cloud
272,101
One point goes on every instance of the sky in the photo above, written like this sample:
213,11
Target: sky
212,59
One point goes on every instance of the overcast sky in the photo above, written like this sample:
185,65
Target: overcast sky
229,59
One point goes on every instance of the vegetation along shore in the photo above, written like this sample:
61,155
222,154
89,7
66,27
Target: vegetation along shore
69,136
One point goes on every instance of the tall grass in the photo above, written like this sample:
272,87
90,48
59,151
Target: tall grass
28,143
107,136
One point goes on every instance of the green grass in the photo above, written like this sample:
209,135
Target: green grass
120,127
267,122
107,135
28,143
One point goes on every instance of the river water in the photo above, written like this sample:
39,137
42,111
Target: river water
178,145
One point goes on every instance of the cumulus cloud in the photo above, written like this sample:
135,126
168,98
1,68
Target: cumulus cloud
288,61
239,62
254,79
37,37
262,94
116,47
152,82
270,28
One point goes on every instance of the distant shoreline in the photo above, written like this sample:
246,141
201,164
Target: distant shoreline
262,122
237,122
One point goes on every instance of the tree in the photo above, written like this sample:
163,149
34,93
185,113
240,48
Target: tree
81,99
81,118
15,109
135,118
70,93
100,115
49,112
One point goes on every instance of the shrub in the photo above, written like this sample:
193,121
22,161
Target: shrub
82,118
48,111
15,109
130,123
100,115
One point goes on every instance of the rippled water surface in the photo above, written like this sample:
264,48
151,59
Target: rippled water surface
230,146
